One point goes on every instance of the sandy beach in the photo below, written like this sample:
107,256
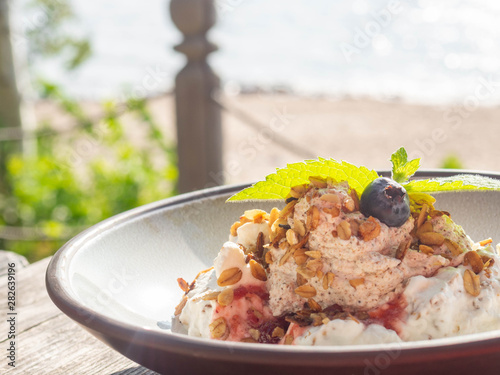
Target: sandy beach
288,128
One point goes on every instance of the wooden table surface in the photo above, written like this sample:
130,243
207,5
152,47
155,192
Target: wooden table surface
46,340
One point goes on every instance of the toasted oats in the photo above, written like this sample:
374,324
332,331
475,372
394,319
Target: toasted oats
319,274
344,230
423,215
301,280
278,332
249,340
314,264
225,297
425,227
475,261
305,291
354,227
292,237
349,204
229,276
258,271
356,282
369,229
254,333
332,198
313,305
327,280
306,272
298,191
325,321
288,340
234,228
268,257
273,216
431,238
259,245
402,249
355,199
318,182
299,227
454,247
312,218
288,210
333,212
426,249
183,284
316,254
219,329
472,283
210,296
180,306
286,256
300,256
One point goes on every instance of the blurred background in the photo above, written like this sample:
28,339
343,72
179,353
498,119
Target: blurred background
89,125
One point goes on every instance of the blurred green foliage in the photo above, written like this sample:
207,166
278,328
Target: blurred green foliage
85,175
51,33
452,161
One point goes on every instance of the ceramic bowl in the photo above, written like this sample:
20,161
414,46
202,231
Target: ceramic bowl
118,280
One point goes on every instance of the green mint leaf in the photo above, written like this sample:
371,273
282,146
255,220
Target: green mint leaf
453,183
277,185
402,169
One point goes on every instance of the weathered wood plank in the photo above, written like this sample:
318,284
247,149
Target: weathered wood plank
7,257
47,341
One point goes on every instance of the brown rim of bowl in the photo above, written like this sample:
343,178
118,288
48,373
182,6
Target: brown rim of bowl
411,352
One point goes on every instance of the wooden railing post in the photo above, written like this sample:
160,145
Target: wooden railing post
10,114
199,133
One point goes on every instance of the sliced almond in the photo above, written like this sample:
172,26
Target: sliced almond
257,270
305,291
183,284
431,238
287,210
219,329
344,230
402,249
472,283
475,261
225,297
229,276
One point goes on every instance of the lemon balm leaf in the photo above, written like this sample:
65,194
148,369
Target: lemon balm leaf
453,183
402,169
277,185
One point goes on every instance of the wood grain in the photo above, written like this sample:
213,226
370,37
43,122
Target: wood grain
47,341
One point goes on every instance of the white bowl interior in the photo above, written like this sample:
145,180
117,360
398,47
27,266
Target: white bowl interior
128,272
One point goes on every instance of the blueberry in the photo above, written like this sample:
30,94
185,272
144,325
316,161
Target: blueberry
386,200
